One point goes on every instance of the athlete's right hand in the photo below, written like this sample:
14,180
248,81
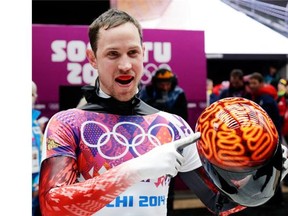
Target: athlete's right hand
162,160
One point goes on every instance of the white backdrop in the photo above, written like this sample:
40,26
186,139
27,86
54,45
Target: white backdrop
227,31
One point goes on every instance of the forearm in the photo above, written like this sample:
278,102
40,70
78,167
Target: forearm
62,195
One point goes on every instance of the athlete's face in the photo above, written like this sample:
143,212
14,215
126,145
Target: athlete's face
119,61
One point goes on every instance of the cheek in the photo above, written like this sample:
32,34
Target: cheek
106,68
139,68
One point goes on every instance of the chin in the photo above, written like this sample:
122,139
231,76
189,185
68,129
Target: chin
124,96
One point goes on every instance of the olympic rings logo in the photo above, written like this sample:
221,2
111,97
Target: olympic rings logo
97,135
149,70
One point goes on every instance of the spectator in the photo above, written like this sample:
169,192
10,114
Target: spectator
165,94
218,88
283,111
211,96
281,100
36,153
285,120
273,76
266,96
237,86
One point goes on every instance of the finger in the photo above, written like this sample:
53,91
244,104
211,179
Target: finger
183,142
173,172
179,159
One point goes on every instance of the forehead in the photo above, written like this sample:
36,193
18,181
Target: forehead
252,80
164,84
124,32
235,78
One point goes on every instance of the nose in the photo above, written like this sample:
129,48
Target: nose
166,87
124,64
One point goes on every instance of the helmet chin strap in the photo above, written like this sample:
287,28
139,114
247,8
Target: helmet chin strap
220,200
219,203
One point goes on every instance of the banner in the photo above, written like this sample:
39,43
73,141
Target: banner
59,59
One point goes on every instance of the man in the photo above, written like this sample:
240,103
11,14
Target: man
94,160
36,153
266,96
116,155
211,97
237,86
164,93
272,76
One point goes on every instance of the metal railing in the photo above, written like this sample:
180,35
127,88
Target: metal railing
268,13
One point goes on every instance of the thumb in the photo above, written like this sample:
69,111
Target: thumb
183,142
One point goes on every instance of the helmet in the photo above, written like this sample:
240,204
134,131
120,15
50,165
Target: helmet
240,151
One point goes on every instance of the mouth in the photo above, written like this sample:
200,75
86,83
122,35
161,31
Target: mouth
124,80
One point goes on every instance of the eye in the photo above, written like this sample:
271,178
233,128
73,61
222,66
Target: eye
133,53
113,54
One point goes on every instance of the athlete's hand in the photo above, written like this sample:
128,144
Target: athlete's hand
162,160
284,161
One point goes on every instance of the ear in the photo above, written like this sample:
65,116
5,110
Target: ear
91,58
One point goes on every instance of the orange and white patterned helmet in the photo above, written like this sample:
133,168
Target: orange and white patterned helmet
240,151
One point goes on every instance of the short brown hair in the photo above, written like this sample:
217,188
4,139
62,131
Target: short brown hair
110,19
237,73
258,76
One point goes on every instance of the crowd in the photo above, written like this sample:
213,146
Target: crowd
270,91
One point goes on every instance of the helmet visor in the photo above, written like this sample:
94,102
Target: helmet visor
251,188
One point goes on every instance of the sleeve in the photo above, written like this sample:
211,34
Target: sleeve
59,191
61,194
223,94
271,107
60,137
35,182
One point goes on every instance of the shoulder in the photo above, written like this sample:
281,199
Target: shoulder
67,116
179,89
268,98
145,109
178,92
224,93
175,119
148,89
73,111
35,114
